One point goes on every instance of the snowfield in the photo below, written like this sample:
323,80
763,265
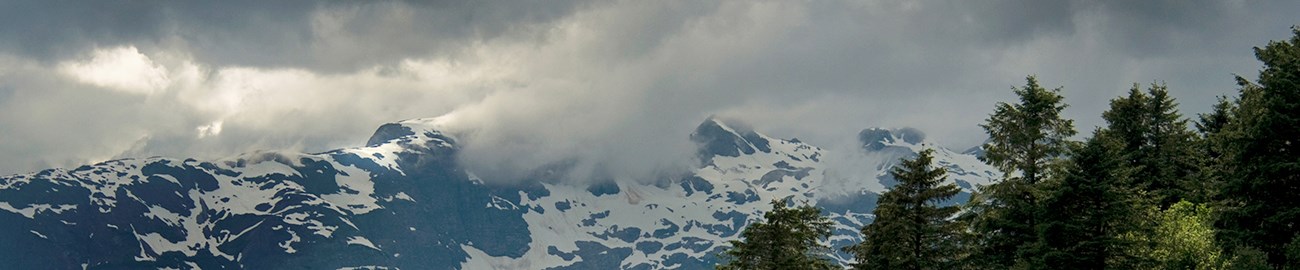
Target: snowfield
401,201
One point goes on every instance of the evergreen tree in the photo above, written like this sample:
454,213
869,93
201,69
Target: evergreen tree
1156,142
1261,152
1027,141
1211,145
911,230
1292,253
1248,258
1026,138
1213,122
1090,210
787,239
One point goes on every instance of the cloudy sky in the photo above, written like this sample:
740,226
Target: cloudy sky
625,82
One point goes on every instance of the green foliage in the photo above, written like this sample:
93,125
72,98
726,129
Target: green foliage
1156,142
1028,142
1211,147
1136,195
1218,117
910,230
787,239
1090,211
1293,254
1027,137
1183,238
1260,144
1249,258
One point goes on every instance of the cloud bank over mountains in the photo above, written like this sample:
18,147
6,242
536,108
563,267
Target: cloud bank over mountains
616,85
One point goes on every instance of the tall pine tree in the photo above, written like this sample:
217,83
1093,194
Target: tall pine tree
1156,142
1260,198
1211,147
789,238
1218,117
911,230
1091,209
1027,141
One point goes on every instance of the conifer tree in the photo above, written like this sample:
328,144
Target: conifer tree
788,238
1248,258
1027,142
1027,138
1156,142
1090,211
911,230
1218,117
1211,147
1261,143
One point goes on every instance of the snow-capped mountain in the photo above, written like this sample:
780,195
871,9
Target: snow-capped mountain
402,201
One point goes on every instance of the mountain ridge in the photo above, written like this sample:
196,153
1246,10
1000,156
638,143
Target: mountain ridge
403,201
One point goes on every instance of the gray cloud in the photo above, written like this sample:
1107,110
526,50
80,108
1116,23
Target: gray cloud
616,86
335,36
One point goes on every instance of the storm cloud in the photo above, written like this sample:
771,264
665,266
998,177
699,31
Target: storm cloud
616,87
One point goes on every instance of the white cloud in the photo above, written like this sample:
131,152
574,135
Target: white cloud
211,129
614,85
121,68
50,117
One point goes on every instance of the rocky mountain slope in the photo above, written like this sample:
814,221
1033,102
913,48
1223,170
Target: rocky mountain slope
402,201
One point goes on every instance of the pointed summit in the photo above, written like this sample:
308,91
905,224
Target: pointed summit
876,139
977,151
716,137
430,127
388,132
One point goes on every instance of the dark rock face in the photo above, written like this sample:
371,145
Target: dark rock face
876,139
718,139
388,132
977,151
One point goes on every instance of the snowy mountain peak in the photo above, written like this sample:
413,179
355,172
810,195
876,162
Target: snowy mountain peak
881,149
977,151
411,127
876,139
388,132
403,201
718,137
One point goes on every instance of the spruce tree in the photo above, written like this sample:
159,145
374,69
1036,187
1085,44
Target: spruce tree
911,230
1261,143
1026,138
1156,142
1027,142
1248,258
1090,211
788,238
1211,147
1218,117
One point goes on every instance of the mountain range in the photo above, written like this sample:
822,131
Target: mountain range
403,201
